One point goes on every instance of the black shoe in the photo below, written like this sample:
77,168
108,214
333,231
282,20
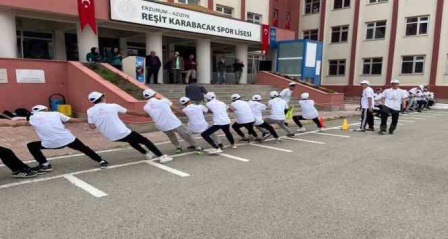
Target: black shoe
266,135
382,132
287,124
221,146
104,164
191,148
42,169
391,132
291,135
245,139
27,173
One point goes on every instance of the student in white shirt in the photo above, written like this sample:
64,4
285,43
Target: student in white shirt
52,133
244,118
309,112
367,102
196,120
286,95
257,109
392,100
377,102
430,97
221,121
161,112
104,117
277,116
413,97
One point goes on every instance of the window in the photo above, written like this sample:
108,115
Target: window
339,34
275,13
196,2
412,64
254,18
312,6
224,10
312,34
376,30
417,25
377,1
337,67
338,4
372,66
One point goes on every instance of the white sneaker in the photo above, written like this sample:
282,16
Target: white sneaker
278,140
321,129
234,146
215,151
301,129
149,156
165,159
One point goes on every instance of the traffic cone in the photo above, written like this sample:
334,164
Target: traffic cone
345,125
322,122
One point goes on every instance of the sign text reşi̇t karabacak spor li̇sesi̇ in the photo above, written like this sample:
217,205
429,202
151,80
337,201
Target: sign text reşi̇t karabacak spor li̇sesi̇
164,16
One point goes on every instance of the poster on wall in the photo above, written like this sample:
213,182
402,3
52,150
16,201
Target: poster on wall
140,69
3,76
30,76
311,50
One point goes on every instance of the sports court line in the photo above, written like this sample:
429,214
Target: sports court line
415,118
335,135
407,121
168,169
270,147
234,157
304,140
85,186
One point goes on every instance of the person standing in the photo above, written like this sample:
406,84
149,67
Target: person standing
277,116
116,59
392,99
238,69
195,92
161,112
377,102
221,121
104,117
244,118
222,71
367,102
191,67
93,55
153,65
257,109
309,112
169,70
52,133
286,95
178,67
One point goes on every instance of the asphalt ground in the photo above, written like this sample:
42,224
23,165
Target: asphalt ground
339,184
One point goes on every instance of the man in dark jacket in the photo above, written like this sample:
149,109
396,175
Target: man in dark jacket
195,92
238,69
153,65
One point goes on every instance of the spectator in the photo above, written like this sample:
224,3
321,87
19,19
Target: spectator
190,67
178,67
116,59
238,69
195,92
153,65
169,70
93,55
222,71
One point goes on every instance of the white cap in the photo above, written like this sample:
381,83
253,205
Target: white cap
256,97
184,100
38,108
210,96
421,86
292,84
365,82
395,81
236,97
94,96
305,95
148,93
273,94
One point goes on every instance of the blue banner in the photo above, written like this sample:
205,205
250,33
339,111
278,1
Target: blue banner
273,37
140,69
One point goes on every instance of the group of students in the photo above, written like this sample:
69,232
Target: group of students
391,102
104,117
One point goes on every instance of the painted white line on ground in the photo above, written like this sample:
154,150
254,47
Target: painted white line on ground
234,157
168,169
335,135
414,118
85,186
407,121
270,147
304,140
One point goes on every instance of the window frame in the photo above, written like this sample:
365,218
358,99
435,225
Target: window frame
223,7
311,4
375,28
371,62
339,63
414,63
418,25
340,31
308,32
252,20
343,3
377,1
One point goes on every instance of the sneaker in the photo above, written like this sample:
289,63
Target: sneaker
43,169
149,156
245,139
382,132
259,140
287,124
291,135
372,129
179,150
215,151
199,150
301,129
266,135
391,132
278,140
27,173
234,146
191,148
359,130
104,164
165,159
321,130
221,146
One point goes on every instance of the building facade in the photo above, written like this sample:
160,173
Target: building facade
378,40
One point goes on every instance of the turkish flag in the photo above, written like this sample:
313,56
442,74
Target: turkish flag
86,10
264,38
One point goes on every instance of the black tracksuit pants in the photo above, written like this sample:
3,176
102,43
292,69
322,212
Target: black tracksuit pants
366,119
395,114
11,160
135,139
269,128
225,128
249,126
298,118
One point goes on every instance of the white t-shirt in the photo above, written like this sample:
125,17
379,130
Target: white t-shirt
219,110
308,109
243,112
278,107
196,120
257,108
414,90
394,98
105,118
51,130
377,99
366,94
286,94
162,115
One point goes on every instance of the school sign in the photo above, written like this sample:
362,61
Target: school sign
164,16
